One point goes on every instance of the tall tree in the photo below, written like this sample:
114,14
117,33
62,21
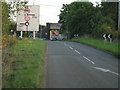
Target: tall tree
73,17
83,18
110,9
8,11
5,18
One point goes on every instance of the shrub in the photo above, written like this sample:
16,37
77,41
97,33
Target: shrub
8,41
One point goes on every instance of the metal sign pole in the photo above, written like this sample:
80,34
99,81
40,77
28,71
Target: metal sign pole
110,40
33,34
27,30
21,34
105,40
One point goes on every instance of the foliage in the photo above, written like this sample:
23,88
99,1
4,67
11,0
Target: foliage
113,47
8,41
5,18
8,11
7,23
84,19
110,9
26,65
16,6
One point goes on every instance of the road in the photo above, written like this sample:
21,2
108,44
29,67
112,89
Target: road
74,65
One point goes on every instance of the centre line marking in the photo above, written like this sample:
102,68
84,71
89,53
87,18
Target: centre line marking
105,70
65,44
88,60
77,51
70,47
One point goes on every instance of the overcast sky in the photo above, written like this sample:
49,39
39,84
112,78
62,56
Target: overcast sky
50,9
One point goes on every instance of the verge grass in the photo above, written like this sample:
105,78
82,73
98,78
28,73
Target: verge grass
27,66
112,48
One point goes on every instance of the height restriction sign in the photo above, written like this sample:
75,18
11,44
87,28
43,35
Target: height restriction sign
27,10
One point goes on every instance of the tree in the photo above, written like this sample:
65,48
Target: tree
8,11
85,19
5,18
75,17
17,5
110,9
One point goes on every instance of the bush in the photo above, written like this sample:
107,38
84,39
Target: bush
8,41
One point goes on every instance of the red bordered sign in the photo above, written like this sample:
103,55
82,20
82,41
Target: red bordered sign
27,10
27,18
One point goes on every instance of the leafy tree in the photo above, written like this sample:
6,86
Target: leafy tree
8,11
5,18
76,17
84,19
110,9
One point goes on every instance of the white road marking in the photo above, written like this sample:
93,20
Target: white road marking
88,60
65,44
70,47
77,51
105,70
101,69
114,73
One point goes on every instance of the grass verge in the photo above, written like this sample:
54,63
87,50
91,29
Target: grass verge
112,48
26,66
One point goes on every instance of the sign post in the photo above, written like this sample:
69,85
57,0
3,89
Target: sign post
110,37
77,35
104,36
28,19
21,34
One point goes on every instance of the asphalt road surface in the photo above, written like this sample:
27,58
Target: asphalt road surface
74,65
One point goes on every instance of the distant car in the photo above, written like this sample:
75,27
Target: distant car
54,38
42,38
31,35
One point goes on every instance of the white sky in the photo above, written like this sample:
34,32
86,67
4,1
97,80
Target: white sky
50,9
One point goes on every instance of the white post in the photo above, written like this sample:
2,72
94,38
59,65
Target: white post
105,40
110,40
104,36
21,34
33,34
110,37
